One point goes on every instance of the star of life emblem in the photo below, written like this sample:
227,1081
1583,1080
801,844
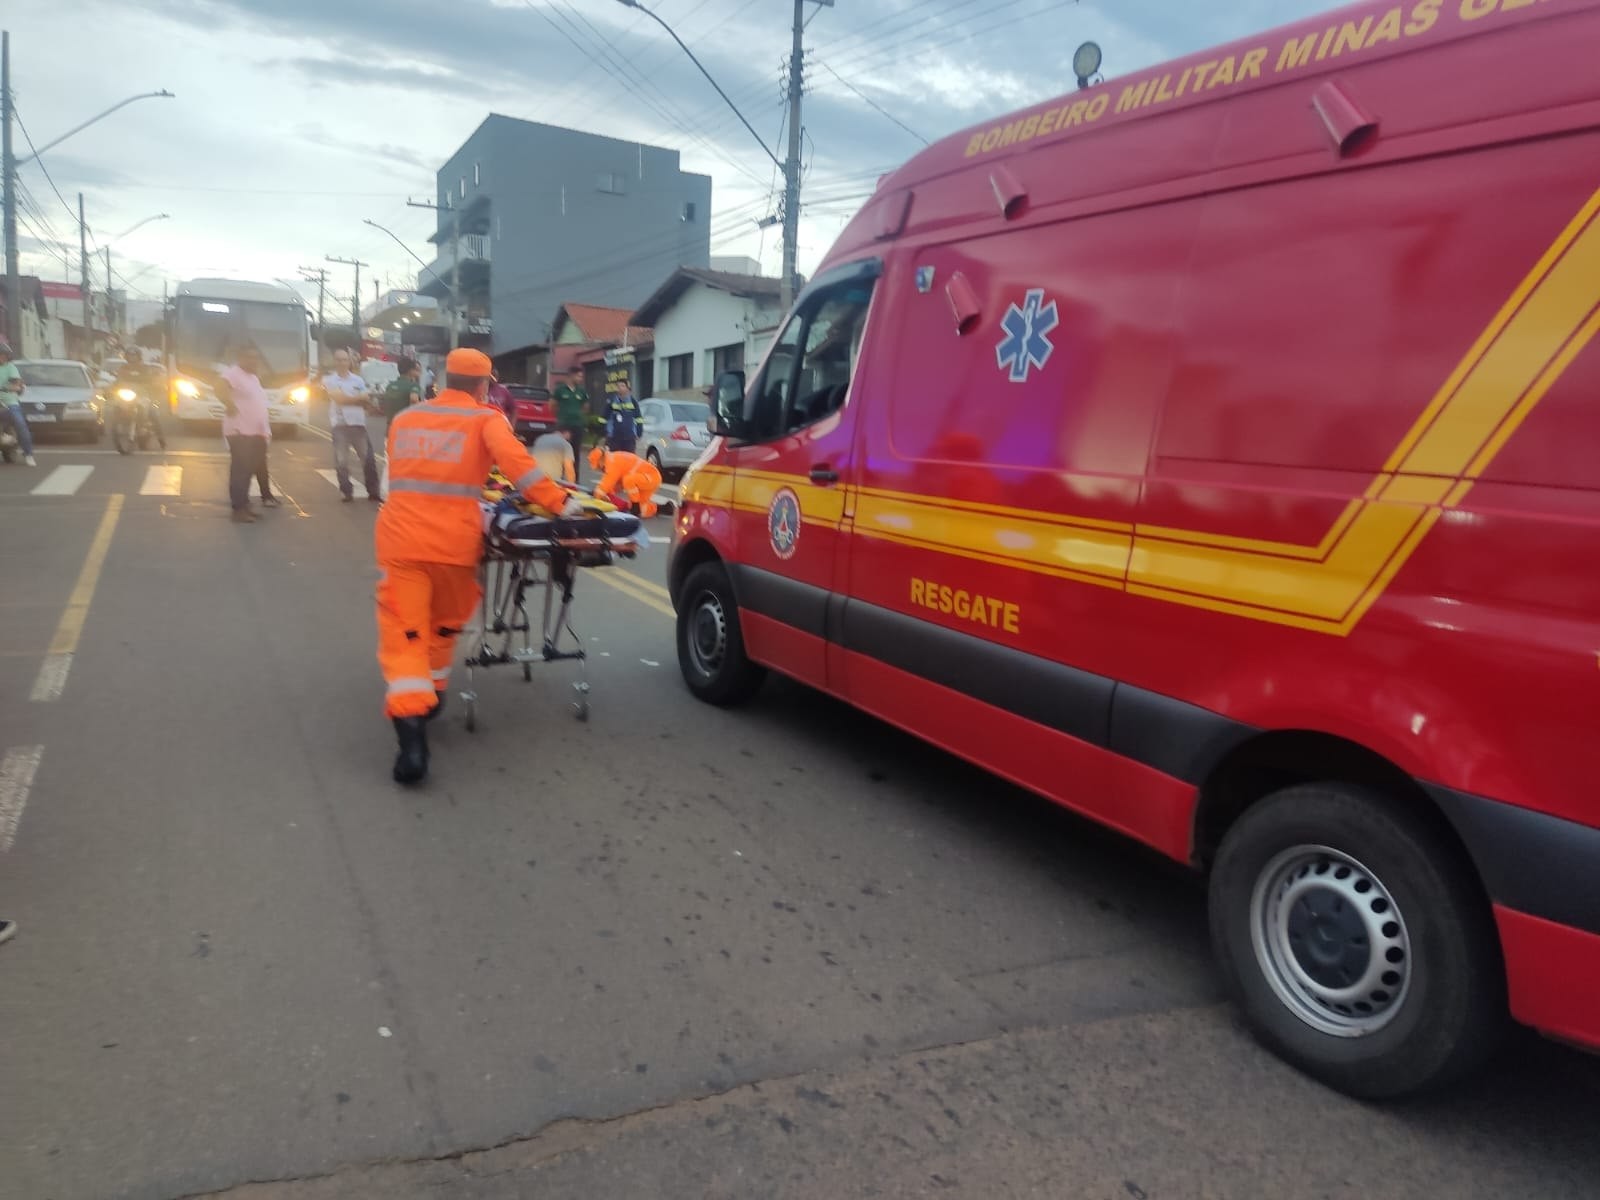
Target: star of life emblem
1026,343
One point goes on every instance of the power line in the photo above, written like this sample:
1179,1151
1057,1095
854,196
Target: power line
42,167
885,112
620,74
870,60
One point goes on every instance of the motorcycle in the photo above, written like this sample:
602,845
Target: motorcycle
132,423
10,444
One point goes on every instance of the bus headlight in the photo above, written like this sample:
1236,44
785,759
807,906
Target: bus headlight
187,388
300,395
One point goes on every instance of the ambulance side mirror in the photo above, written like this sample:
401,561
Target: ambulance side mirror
727,404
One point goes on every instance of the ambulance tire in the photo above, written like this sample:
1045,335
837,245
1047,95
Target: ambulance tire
710,642
1356,941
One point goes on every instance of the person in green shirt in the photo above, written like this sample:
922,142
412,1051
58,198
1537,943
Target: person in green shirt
404,391
11,389
570,404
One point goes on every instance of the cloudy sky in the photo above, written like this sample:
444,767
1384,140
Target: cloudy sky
295,119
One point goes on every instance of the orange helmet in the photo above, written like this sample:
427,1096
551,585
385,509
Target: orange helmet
597,457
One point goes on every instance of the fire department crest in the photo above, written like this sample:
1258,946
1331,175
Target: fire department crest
783,523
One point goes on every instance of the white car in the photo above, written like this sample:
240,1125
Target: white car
60,396
675,432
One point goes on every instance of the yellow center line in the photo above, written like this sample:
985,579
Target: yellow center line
615,580
52,678
77,610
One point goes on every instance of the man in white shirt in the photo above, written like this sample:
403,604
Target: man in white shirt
347,422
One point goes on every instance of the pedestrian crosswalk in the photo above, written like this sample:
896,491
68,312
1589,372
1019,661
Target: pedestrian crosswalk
168,479
161,479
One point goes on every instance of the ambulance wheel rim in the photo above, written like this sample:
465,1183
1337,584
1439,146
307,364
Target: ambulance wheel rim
1330,941
708,635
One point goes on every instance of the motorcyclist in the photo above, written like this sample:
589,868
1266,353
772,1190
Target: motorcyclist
135,373
11,389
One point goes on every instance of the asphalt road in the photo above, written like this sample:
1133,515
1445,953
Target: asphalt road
673,952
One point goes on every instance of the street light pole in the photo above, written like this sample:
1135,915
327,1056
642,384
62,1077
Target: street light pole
454,303
455,266
791,166
8,168
141,225
8,165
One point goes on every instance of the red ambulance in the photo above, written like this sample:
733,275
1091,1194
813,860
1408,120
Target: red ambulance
1217,452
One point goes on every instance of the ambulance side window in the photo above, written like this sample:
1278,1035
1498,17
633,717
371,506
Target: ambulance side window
772,394
833,333
809,371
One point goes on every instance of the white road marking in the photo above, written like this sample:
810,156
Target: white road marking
162,481
63,481
330,475
16,780
52,678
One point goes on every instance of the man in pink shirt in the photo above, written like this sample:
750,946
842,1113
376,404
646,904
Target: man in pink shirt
247,429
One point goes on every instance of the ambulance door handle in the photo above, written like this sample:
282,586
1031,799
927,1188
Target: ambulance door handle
823,473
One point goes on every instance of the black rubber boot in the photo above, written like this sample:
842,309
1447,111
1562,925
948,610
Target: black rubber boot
438,706
411,764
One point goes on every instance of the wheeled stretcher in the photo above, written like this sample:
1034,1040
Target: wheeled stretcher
525,552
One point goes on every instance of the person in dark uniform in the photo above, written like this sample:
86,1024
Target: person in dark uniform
623,419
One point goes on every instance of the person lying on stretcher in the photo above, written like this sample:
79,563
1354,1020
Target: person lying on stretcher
628,481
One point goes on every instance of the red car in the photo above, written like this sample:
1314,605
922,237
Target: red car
533,411
1216,451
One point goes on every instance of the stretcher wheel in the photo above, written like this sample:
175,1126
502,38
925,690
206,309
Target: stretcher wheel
527,672
583,709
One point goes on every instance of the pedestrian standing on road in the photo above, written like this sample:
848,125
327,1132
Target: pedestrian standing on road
623,419
347,423
248,431
570,403
404,391
11,389
428,539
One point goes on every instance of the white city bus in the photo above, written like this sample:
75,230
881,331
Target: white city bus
208,322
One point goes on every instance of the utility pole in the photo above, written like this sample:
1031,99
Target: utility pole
319,276
83,262
111,312
791,165
455,267
9,167
355,296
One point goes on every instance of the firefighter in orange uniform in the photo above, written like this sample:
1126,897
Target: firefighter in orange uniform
429,538
624,474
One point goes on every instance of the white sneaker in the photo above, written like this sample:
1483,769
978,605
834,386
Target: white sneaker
30,460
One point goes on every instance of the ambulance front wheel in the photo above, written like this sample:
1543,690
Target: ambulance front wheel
1356,940
710,643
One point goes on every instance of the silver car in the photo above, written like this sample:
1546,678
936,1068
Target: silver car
60,396
675,432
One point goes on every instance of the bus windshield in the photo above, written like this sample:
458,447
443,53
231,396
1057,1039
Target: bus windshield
208,334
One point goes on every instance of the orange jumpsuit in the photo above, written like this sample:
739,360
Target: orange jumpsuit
430,535
627,474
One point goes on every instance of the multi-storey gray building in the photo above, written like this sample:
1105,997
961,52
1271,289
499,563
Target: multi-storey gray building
533,215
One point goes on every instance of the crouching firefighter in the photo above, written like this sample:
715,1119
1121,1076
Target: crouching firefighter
625,476
429,538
